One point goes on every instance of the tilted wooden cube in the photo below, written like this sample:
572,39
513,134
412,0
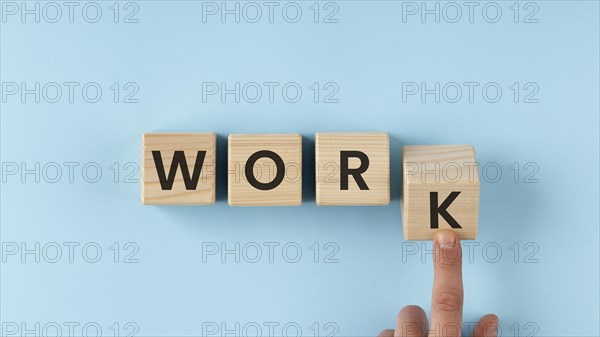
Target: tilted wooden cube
440,191
178,168
265,170
352,168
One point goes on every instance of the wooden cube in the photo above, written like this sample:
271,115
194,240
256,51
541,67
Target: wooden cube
265,170
352,168
440,191
178,168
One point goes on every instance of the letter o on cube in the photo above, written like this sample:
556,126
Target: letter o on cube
265,170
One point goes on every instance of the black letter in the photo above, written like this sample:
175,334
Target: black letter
434,209
279,175
356,173
178,159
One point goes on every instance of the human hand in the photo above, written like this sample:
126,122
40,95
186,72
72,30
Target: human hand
446,300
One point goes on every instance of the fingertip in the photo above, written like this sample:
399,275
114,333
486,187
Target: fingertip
413,311
386,333
446,238
487,326
491,318
447,250
411,321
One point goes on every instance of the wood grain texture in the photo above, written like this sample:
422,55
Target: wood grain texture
327,168
167,144
287,193
443,169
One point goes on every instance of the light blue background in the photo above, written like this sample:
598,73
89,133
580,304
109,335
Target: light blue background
369,53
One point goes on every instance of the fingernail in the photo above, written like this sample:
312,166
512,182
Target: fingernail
494,331
445,239
493,327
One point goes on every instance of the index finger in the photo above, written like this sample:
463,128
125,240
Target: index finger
447,298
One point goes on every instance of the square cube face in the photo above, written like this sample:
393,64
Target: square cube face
440,191
265,170
352,168
178,168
